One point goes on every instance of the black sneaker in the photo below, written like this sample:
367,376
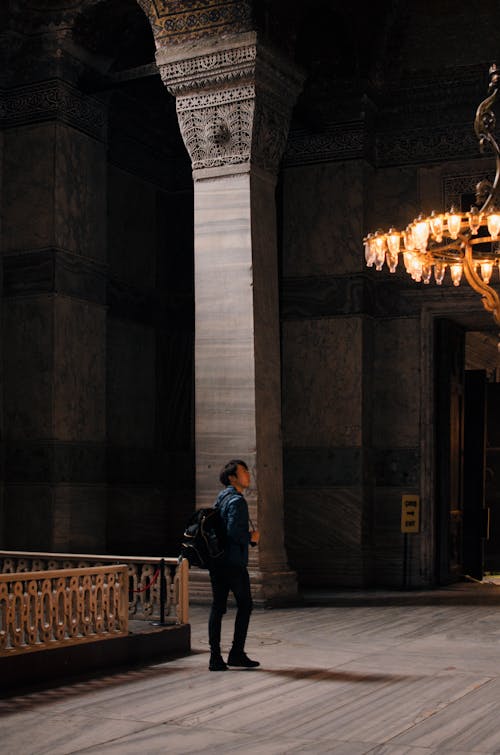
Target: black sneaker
217,663
242,660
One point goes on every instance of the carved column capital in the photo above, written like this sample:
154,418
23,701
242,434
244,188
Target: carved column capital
234,101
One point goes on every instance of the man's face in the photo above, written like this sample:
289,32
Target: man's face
241,480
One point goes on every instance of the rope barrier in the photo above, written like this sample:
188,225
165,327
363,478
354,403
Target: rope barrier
153,580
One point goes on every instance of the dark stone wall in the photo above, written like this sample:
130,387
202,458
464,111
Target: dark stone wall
370,147
97,324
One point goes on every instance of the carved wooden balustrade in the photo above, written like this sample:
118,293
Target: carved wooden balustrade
51,608
158,588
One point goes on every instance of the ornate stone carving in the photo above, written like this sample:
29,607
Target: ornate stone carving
333,143
425,145
233,103
218,131
221,67
49,100
177,21
454,187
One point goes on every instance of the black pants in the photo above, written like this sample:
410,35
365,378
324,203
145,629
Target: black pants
230,577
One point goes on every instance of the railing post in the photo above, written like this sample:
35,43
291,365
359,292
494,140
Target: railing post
184,597
163,592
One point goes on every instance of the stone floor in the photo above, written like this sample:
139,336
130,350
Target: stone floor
370,676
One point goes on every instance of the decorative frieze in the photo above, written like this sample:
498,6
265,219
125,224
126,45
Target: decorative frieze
177,21
210,70
336,142
454,187
426,145
53,100
350,141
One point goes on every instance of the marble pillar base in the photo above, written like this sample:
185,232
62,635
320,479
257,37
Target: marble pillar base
274,588
269,589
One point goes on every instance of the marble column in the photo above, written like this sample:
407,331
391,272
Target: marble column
234,99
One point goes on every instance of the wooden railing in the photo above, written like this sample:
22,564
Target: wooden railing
51,608
158,588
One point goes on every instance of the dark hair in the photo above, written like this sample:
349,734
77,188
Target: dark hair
230,470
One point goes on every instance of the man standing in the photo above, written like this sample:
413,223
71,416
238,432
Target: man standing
232,573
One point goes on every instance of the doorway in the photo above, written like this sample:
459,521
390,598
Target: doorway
467,458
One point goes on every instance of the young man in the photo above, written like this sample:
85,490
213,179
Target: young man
232,573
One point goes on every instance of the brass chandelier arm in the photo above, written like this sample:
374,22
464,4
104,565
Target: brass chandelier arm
490,298
484,124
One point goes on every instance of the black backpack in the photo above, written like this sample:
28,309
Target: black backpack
204,538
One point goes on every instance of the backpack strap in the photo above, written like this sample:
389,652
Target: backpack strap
226,499
222,499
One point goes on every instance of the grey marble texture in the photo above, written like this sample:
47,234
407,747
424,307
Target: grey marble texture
385,680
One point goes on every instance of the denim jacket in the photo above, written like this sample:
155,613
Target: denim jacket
234,511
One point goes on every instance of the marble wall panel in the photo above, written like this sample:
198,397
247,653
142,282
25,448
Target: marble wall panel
49,462
79,518
324,536
175,262
80,193
28,517
267,372
131,384
2,430
424,47
139,520
322,390
132,228
320,467
79,371
3,529
28,204
28,344
323,219
174,375
396,383
392,198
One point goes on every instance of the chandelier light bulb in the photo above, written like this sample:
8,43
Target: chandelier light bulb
456,273
392,261
416,268
421,233
436,224
439,271
493,221
454,220
409,244
370,250
408,260
426,272
393,241
486,271
380,247
475,218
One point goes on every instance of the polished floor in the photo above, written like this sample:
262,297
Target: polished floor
408,679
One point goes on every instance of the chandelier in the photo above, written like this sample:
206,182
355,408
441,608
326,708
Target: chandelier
466,243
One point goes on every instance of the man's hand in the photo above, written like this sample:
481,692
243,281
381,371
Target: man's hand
254,537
